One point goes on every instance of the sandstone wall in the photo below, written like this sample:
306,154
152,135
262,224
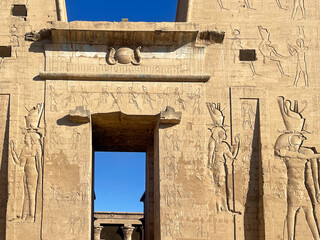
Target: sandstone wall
236,155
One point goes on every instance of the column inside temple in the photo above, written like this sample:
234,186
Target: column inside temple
127,232
142,233
97,232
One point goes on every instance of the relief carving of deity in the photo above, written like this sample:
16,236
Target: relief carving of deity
302,170
219,152
30,159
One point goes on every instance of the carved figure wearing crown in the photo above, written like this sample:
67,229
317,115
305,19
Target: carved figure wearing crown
301,164
219,152
30,159
32,120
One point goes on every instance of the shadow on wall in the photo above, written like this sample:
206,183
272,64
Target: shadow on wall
4,178
251,212
65,121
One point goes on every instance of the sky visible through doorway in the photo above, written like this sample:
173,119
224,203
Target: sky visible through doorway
119,188
119,181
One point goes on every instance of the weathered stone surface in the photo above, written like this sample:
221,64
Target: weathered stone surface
127,232
241,163
97,232
170,116
80,115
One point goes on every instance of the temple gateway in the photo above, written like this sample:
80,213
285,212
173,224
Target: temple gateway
225,101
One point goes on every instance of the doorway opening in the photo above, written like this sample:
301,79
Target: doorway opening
119,181
115,134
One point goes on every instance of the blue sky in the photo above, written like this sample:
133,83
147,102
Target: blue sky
115,10
120,177
119,181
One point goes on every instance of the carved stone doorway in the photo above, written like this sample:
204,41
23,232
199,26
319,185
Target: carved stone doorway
132,133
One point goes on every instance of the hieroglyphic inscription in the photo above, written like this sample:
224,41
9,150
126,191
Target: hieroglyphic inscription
117,98
268,50
299,52
171,167
1,62
133,98
236,47
246,168
280,5
84,98
195,97
147,97
53,98
178,100
103,96
171,140
60,189
174,227
221,5
248,115
298,5
14,38
165,97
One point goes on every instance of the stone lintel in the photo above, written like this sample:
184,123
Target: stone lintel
103,218
124,77
124,33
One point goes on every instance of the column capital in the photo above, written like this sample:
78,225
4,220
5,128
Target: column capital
127,232
97,232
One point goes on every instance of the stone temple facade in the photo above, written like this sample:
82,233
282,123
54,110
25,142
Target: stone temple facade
225,102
